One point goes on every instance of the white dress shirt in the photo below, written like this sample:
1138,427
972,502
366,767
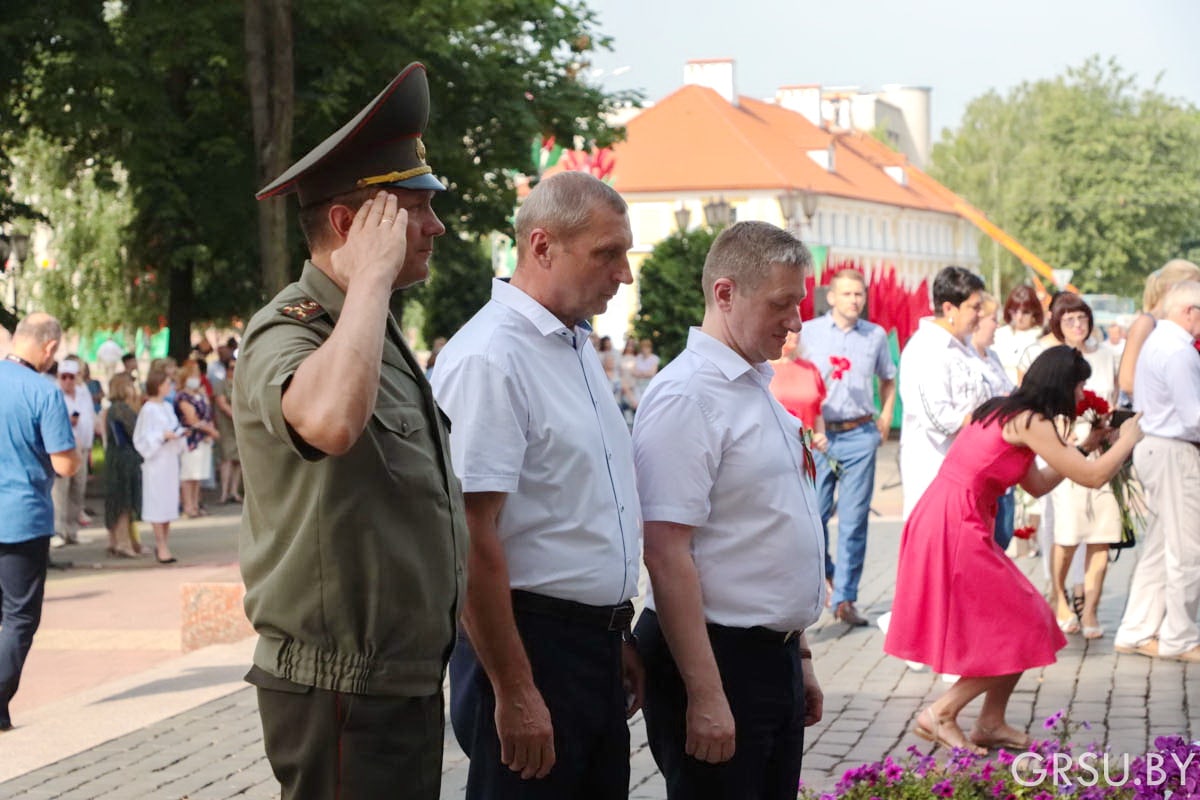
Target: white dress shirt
533,416
940,383
1010,346
1166,384
717,452
85,426
995,376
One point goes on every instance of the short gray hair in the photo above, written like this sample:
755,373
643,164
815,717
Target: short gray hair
1181,295
746,252
40,328
563,203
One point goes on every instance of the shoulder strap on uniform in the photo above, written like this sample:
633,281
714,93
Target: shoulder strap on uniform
305,310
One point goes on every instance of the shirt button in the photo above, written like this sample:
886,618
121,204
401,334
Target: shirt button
622,508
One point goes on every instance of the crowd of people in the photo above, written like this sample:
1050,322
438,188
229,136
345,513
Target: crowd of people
157,436
485,514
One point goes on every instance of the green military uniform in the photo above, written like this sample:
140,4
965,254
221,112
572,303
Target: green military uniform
354,565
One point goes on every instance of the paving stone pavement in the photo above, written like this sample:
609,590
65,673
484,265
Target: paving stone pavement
215,750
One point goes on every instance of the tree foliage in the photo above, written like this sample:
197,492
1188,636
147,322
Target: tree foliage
460,283
1088,171
671,298
91,207
161,90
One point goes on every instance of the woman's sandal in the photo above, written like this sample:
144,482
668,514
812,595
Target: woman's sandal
993,738
1077,603
934,734
1069,625
1092,633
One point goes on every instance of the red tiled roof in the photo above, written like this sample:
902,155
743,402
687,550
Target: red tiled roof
693,140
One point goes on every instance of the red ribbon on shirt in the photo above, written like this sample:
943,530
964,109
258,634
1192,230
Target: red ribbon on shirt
810,464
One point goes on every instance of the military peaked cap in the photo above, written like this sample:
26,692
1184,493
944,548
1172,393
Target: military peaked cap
380,147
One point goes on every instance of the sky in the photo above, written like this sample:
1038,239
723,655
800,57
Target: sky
958,48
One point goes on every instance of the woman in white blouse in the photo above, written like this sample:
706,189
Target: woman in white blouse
159,439
1084,519
995,376
1023,320
941,382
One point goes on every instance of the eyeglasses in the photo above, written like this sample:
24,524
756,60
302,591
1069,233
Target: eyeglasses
66,377
1079,321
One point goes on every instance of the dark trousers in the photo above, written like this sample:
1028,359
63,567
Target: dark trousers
577,669
22,587
324,744
1006,509
765,689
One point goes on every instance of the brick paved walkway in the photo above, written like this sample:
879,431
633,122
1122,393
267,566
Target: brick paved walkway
214,750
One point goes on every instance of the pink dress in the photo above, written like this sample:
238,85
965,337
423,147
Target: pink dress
961,605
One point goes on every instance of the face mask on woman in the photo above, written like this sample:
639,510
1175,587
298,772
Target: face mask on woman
192,383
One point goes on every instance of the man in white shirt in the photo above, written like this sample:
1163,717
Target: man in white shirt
68,491
734,544
1164,596
543,681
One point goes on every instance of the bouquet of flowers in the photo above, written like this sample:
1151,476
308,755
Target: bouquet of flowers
1026,532
840,366
1125,487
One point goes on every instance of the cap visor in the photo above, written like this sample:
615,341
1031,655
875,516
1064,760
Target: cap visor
426,182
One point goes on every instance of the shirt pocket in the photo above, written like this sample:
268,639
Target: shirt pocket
399,419
404,446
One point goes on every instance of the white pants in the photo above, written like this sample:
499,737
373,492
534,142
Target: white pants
1164,597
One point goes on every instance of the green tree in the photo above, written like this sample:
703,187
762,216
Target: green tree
1088,171
671,299
91,208
460,283
163,90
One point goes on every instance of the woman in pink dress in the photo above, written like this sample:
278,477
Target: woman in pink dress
961,605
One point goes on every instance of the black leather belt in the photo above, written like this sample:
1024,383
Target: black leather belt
609,618
757,632
848,424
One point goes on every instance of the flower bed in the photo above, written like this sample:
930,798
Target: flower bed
1051,768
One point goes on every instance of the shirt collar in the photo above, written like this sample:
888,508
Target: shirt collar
546,323
321,288
930,324
722,356
828,316
1175,330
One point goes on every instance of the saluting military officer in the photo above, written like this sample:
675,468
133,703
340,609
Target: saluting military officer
353,537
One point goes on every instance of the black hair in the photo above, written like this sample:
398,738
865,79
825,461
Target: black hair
1047,389
954,285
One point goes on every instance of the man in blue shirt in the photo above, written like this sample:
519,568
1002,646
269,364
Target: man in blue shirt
36,443
849,351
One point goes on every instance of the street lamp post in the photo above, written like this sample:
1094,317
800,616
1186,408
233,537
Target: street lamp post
20,249
793,203
718,213
683,215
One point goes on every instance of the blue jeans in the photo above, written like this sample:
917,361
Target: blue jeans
855,450
22,586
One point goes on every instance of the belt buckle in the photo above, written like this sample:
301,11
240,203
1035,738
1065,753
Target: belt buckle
621,617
